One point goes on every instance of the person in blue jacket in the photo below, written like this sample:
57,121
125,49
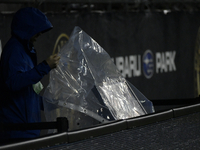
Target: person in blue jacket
20,74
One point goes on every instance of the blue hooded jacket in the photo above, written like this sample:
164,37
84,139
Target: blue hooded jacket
19,71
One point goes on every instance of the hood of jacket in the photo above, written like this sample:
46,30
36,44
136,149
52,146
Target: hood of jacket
29,21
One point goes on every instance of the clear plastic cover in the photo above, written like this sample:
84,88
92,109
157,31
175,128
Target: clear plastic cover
86,83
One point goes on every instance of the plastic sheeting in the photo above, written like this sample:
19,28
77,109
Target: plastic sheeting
86,81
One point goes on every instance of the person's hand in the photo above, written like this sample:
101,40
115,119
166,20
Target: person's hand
53,60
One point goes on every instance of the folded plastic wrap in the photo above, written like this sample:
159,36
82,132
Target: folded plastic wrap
87,81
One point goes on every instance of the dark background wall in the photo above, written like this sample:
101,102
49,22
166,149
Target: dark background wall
153,49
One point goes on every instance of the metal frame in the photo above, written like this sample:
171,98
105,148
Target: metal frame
104,5
99,1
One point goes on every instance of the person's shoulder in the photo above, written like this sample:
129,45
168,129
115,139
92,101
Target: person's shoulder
12,48
13,44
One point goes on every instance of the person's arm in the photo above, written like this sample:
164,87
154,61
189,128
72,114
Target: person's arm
15,76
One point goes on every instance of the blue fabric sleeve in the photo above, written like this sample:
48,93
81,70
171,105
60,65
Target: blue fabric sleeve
18,73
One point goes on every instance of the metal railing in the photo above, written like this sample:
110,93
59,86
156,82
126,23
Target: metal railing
61,124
